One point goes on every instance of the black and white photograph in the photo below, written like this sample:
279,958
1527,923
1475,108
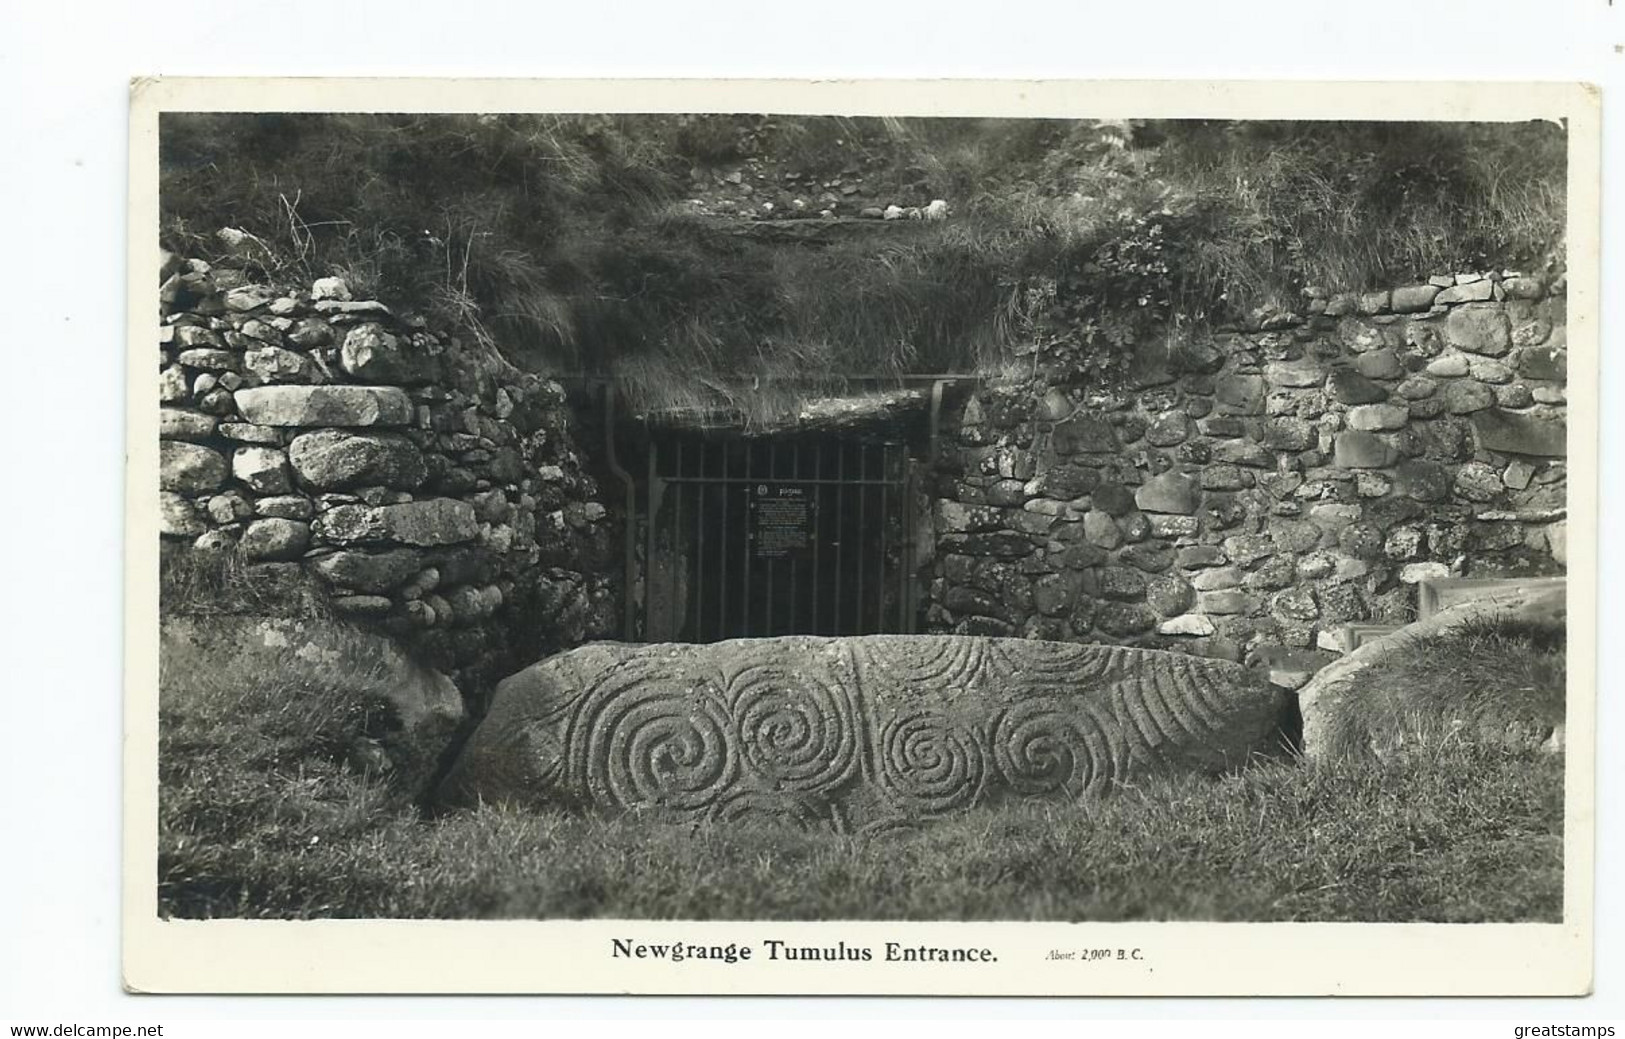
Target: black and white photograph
788,515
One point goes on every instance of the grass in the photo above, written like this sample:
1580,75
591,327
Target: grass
265,813
1467,836
194,582
1489,680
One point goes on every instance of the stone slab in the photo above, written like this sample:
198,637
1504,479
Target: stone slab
1351,637
1541,434
325,405
434,521
1436,595
854,734
331,459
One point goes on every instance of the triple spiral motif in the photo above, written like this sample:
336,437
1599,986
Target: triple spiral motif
798,734
642,740
929,764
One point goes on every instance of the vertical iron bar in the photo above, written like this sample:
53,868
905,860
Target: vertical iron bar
840,528
882,622
905,542
629,518
910,532
722,548
863,535
699,547
649,571
819,529
795,557
672,614
772,561
749,610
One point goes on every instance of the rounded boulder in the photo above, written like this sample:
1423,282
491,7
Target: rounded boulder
332,459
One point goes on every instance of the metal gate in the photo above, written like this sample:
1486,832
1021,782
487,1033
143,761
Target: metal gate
794,535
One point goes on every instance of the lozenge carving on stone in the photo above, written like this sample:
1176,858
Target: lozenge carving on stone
854,733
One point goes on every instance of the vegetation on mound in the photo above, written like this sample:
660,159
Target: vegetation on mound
573,242
1488,680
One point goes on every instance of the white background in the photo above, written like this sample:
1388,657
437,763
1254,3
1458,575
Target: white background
65,71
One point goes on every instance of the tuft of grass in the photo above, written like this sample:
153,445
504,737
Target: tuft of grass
222,582
1489,680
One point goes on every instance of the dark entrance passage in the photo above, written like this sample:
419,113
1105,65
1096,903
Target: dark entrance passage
785,535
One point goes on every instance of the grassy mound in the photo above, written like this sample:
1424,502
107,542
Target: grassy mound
277,731
581,242
1489,680
257,767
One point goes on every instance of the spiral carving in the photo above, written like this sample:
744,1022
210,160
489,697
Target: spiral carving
853,734
1038,748
941,661
1052,662
642,740
796,732
929,764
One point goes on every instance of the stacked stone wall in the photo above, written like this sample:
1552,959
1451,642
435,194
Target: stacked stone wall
434,491
1261,487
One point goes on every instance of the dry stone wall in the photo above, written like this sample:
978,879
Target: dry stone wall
433,489
1264,486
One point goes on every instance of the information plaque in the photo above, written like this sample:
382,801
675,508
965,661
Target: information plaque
781,519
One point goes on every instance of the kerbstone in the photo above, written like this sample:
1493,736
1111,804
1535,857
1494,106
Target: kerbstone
1287,434
1194,624
853,733
275,364
325,405
1240,394
1449,366
1544,363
